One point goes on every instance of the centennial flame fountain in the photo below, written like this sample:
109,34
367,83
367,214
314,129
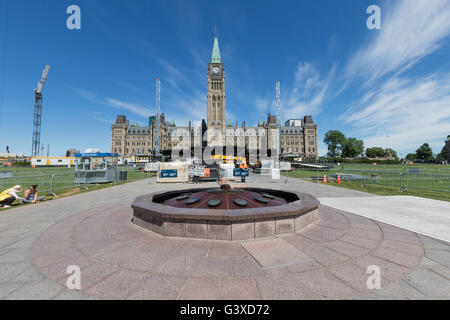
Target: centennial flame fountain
225,213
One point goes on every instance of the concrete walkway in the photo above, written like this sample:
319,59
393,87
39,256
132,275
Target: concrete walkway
425,216
35,241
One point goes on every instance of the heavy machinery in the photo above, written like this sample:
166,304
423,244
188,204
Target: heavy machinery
38,113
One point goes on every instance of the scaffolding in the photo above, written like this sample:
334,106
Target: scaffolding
158,118
278,115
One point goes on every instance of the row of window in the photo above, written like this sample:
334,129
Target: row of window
216,85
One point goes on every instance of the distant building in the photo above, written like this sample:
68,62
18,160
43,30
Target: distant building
72,152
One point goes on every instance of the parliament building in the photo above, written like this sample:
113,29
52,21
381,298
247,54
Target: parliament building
298,137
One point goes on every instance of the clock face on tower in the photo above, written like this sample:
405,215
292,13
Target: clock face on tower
216,70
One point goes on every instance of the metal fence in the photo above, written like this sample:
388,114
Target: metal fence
436,182
57,182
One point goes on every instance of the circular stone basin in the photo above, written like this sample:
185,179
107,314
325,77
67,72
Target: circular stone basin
225,213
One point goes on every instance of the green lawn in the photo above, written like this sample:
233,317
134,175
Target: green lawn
63,183
387,179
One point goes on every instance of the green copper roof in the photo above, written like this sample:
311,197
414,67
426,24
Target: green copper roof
215,57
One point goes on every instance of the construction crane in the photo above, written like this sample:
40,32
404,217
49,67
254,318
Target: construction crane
158,119
278,114
38,113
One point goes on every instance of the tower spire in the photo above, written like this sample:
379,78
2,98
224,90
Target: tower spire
215,57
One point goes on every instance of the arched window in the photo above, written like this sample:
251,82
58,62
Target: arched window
214,98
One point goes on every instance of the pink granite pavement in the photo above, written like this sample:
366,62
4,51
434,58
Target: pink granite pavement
327,260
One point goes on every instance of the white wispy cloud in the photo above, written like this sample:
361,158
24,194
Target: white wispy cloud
410,112
400,111
410,31
309,91
132,107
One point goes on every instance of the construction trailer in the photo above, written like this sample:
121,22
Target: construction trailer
52,161
95,168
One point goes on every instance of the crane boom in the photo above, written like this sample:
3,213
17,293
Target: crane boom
38,113
43,79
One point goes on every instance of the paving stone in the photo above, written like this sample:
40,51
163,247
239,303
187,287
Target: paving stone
177,265
360,241
238,289
245,267
407,237
9,271
430,243
428,282
274,252
403,247
401,289
213,267
325,256
225,248
404,259
119,285
389,270
29,275
158,288
68,294
15,255
7,288
347,249
440,256
354,276
40,290
283,286
325,286
197,248
303,267
200,289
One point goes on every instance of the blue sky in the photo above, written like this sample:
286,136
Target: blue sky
389,87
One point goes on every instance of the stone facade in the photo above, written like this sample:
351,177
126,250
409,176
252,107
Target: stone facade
298,136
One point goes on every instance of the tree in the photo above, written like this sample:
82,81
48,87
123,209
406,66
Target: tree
335,141
411,156
352,148
442,156
424,152
375,152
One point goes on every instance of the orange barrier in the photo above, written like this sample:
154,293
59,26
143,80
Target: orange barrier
324,178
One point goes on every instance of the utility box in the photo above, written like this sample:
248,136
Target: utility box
95,168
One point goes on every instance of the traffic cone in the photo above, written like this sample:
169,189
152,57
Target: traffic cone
223,180
325,178
338,178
